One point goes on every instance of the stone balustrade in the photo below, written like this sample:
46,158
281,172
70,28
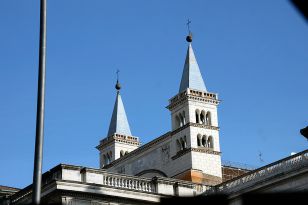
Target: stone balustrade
101,178
117,180
285,165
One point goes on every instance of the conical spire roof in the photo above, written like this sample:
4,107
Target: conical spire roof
119,123
191,77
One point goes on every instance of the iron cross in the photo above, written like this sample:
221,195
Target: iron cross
188,22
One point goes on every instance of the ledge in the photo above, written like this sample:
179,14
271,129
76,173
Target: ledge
201,149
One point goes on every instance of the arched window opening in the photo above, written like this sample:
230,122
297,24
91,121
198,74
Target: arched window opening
178,145
182,144
184,119
199,140
121,153
177,120
181,120
210,143
126,152
208,118
197,116
204,141
108,159
185,142
105,160
202,118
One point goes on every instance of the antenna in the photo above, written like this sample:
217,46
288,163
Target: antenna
260,157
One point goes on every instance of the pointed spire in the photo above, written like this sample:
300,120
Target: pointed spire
119,123
191,77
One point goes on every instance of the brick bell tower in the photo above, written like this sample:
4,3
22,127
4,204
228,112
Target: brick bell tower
195,126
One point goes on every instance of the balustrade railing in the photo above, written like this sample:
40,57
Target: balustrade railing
287,164
128,182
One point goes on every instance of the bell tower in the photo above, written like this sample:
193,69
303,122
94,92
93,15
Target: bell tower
195,125
119,140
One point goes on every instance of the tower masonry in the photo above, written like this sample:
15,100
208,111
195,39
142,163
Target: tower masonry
195,125
189,151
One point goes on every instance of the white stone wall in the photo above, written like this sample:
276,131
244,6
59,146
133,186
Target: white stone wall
123,146
207,163
110,148
178,136
74,175
115,148
176,112
194,105
208,132
157,157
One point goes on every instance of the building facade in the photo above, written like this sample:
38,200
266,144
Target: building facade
190,151
186,161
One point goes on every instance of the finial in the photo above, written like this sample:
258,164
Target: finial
118,85
189,37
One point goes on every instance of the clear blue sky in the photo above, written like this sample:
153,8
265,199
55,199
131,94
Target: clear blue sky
253,53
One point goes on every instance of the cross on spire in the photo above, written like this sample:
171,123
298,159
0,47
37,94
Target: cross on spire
188,25
118,85
118,74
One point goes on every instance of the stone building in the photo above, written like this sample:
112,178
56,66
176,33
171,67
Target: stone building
190,151
186,161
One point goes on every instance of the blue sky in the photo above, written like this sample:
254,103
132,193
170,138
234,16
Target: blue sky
253,53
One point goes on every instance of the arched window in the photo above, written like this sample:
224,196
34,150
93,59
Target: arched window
105,160
197,116
184,119
121,153
204,141
181,120
199,140
178,145
126,152
208,118
108,159
182,144
177,120
202,117
210,142
185,142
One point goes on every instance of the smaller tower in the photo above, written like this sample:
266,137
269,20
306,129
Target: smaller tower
119,140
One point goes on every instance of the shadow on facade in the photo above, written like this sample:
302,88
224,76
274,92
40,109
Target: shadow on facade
246,199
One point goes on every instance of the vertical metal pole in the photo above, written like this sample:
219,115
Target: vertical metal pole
38,156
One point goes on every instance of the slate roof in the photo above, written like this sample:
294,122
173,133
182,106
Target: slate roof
119,123
191,77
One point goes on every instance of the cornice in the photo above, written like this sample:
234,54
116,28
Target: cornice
126,139
194,95
201,149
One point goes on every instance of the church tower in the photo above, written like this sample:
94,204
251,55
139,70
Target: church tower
119,140
195,125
